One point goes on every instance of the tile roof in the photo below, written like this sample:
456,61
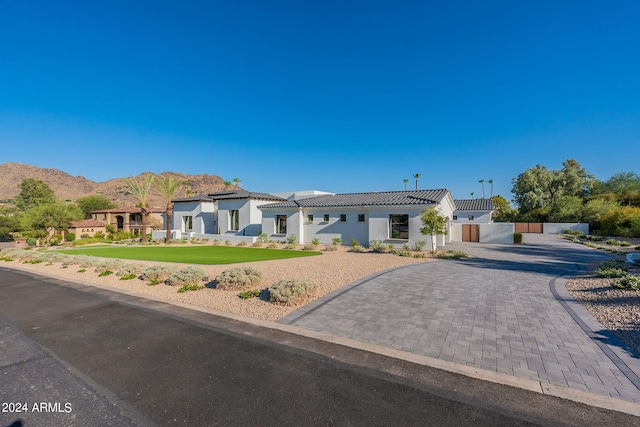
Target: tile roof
474,205
128,210
201,198
383,198
241,194
87,223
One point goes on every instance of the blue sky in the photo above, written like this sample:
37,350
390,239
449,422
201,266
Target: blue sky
342,96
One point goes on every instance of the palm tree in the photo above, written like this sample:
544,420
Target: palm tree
405,183
141,190
167,186
227,184
472,193
237,182
491,182
482,182
416,176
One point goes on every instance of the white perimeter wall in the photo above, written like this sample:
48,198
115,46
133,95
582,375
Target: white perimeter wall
554,228
497,232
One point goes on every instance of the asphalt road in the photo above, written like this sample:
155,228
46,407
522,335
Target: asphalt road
121,360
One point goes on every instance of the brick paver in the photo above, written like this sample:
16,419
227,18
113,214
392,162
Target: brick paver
493,311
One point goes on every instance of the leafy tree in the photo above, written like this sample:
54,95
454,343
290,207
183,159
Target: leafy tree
141,191
623,221
432,224
625,186
33,192
8,224
538,188
503,210
566,209
168,186
237,182
595,208
46,219
94,202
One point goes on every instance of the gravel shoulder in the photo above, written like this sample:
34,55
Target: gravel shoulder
329,271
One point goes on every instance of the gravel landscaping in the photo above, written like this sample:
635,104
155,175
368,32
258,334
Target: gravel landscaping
329,271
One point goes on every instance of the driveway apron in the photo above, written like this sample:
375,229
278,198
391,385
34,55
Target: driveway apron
495,310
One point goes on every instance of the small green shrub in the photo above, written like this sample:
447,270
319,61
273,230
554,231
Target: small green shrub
330,248
419,255
272,245
624,243
238,278
249,294
614,263
452,254
419,246
517,238
612,242
358,249
378,246
309,247
242,243
627,282
610,272
258,244
192,287
157,273
355,243
291,239
128,276
87,261
595,238
402,252
31,241
289,246
187,276
336,241
82,270
263,238
315,241
110,264
105,273
578,233
292,291
70,237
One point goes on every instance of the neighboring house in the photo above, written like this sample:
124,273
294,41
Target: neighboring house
473,211
87,227
393,216
128,219
225,215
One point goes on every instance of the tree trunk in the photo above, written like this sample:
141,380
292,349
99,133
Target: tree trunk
169,222
145,214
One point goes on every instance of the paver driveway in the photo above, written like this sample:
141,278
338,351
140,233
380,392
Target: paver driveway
495,311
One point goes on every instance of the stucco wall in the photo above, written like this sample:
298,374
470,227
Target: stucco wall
554,228
202,213
499,232
328,230
480,217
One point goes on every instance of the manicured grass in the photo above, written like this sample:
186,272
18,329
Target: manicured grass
193,254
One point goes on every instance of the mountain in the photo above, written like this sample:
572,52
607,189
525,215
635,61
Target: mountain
68,187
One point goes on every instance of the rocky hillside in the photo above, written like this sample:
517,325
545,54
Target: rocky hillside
68,187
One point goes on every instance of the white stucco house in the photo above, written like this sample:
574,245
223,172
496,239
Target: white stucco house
473,211
393,216
225,215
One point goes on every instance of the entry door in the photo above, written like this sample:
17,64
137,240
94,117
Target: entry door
470,233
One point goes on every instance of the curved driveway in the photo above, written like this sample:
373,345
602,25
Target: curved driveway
495,311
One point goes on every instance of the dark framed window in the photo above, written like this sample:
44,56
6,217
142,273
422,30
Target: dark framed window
326,218
310,218
188,223
455,217
399,226
471,217
281,224
343,217
360,217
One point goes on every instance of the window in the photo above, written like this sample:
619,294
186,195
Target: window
281,224
343,217
188,223
309,218
234,220
360,217
471,217
326,217
104,216
399,226
455,217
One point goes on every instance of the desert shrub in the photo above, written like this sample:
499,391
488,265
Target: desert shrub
32,241
128,276
292,291
624,243
290,246
315,241
419,246
614,263
612,242
330,248
627,282
419,255
109,264
86,261
358,249
308,247
336,241
263,238
249,294
242,243
378,246
84,236
610,272
192,287
128,269
258,244
238,278
157,273
355,243
402,252
272,245
187,276
517,238
578,233
452,254
105,273
99,235
70,237
82,270
291,239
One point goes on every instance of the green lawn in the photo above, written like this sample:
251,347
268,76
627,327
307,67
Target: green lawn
193,254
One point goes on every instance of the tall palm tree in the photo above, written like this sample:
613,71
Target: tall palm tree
237,182
141,190
482,182
405,183
417,176
168,186
472,193
491,182
227,184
